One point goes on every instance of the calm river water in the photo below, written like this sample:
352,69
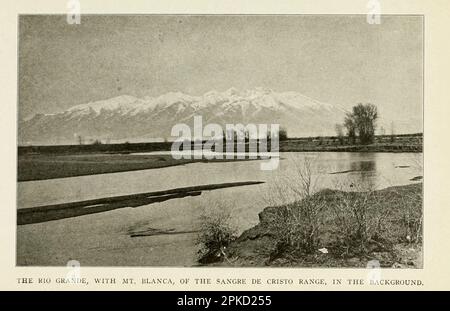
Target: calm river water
104,239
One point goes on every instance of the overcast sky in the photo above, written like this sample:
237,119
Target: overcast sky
335,59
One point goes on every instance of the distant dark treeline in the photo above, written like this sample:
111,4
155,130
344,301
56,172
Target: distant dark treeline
109,148
396,142
96,148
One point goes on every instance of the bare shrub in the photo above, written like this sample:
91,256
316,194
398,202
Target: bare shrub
216,232
297,224
360,219
296,184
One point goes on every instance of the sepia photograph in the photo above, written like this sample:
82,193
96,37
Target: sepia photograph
264,141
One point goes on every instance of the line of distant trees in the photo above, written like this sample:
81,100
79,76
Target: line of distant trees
81,141
232,134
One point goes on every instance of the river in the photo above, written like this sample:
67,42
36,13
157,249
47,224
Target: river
105,239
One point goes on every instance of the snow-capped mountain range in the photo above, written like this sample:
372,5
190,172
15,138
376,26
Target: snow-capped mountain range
127,118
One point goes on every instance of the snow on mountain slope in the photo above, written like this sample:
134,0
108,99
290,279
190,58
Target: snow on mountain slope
127,118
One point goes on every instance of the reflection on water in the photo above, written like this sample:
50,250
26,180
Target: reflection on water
367,172
364,166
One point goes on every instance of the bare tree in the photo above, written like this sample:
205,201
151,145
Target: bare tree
362,121
350,125
392,131
340,133
365,119
80,139
282,134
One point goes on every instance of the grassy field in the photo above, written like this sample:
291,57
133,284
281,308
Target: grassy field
49,166
350,229
382,143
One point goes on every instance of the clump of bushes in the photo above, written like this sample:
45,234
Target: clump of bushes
215,234
376,220
298,226
362,222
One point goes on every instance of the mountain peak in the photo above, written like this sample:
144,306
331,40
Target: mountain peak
232,91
